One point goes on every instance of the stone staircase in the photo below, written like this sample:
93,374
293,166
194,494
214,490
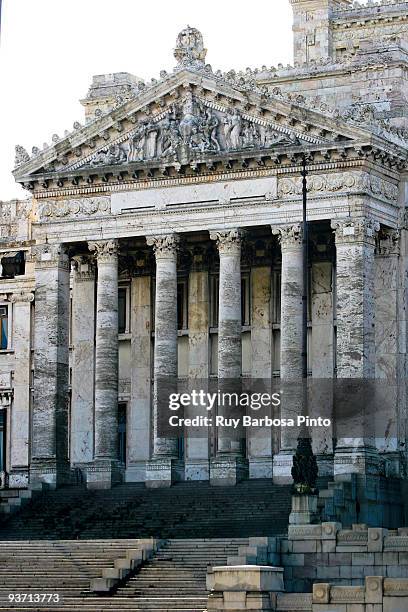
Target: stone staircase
174,579
186,510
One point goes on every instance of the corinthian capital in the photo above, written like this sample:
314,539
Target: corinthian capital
105,250
228,241
289,236
83,267
350,230
166,246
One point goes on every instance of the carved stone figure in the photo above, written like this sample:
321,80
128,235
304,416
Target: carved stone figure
190,48
232,129
21,156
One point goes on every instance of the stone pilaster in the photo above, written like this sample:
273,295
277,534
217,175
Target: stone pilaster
161,471
355,244
83,360
105,470
389,354
196,447
20,414
229,466
49,451
139,434
291,326
260,445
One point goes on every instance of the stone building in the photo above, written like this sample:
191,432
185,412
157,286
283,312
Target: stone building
163,237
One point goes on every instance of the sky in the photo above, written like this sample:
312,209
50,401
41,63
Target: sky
50,49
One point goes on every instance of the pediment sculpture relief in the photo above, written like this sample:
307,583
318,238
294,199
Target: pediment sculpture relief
189,130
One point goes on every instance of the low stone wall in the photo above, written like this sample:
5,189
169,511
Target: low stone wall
328,553
240,588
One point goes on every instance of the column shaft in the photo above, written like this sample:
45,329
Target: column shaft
105,470
83,360
160,472
49,451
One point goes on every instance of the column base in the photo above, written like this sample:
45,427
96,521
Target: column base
282,467
228,471
163,472
304,510
197,469
357,460
260,467
49,472
325,464
18,478
136,471
103,474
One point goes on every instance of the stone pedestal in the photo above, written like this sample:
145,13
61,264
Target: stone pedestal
160,469
20,414
229,453
355,243
290,238
105,470
304,510
49,451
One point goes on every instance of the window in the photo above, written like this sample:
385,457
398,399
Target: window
122,311
3,327
13,264
182,305
122,433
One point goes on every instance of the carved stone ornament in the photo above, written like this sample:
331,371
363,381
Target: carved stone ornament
355,230
21,156
189,129
331,183
289,236
106,251
85,207
166,246
83,267
51,255
190,49
22,296
228,241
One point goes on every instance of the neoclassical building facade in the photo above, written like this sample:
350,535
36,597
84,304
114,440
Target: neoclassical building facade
163,238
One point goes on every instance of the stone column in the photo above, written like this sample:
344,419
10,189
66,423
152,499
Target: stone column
49,450
322,362
355,243
260,444
139,420
291,326
105,470
20,413
83,360
229,466
389,343
196,446
161,471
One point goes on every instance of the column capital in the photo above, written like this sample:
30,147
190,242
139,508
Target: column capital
22,297
289,235
228,241
349,231
165,246
52,255
83,267
105,250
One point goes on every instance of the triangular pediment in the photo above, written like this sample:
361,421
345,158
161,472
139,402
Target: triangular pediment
187,117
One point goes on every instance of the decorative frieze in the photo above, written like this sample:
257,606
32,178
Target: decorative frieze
336,183
86,207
